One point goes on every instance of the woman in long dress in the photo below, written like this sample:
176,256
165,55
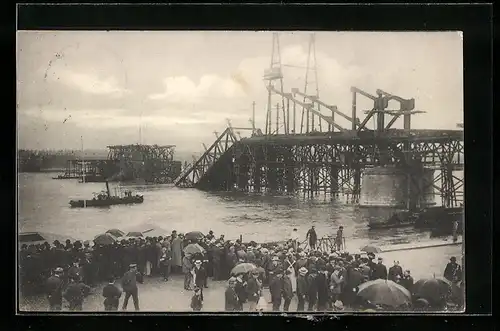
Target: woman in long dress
176,247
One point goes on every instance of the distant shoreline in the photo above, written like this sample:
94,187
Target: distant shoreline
43,170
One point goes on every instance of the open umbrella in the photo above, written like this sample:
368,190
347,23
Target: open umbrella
134,234
371,249
104,239
243,268
155,232
434,290
116,233
384,292
194,235
193,249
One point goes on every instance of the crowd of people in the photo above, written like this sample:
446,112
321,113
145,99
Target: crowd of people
320,280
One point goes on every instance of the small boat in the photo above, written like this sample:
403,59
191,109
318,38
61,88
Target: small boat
105,199
65,176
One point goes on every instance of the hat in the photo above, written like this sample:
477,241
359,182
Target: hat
379,258
58,270
197,262
232,280
132,265
302,271
255,272
275,258
338,304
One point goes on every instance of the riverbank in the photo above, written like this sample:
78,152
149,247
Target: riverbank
156,295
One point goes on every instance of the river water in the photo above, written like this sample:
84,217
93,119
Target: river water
43,206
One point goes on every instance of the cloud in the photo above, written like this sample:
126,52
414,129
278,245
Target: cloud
88,82
210,86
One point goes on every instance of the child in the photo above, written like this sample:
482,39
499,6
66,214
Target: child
196,300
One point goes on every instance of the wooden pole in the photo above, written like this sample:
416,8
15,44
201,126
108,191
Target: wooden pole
277,117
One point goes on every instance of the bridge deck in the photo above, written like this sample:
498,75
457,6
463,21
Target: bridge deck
395,135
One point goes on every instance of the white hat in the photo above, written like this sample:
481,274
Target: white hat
338,304
197,262
58,270
302,271
275,258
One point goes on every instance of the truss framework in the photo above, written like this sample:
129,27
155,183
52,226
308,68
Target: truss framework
153,163
193,173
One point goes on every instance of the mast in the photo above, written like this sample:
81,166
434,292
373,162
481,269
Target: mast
83,171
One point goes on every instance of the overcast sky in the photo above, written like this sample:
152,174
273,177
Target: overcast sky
181,86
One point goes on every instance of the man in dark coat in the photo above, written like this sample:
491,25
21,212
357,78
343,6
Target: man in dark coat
54,290
200,276
75,293
379,270
323,287
129,285
312,236
353,280
339,239
407,281
395,272
276,289
302,288
111,294
453,271
240,291
253,288
287,290
231,298
312,289
217,256
75,271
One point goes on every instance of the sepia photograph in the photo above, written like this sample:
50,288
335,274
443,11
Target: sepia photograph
240,171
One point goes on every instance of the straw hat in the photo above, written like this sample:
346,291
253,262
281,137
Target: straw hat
338,305
302,271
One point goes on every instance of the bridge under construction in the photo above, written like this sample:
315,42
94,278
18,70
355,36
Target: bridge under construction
303,148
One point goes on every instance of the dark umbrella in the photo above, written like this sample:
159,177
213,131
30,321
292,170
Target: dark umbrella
193,249
134,234
243,268
194,235
116,233
434,290
384,292
104,239
371,249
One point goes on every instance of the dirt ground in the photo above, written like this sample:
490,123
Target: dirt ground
155,295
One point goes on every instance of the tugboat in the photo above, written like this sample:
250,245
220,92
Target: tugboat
105,199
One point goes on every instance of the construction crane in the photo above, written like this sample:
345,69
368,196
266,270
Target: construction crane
272,75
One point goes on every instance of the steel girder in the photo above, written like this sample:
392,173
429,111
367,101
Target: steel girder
194,172
336,168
